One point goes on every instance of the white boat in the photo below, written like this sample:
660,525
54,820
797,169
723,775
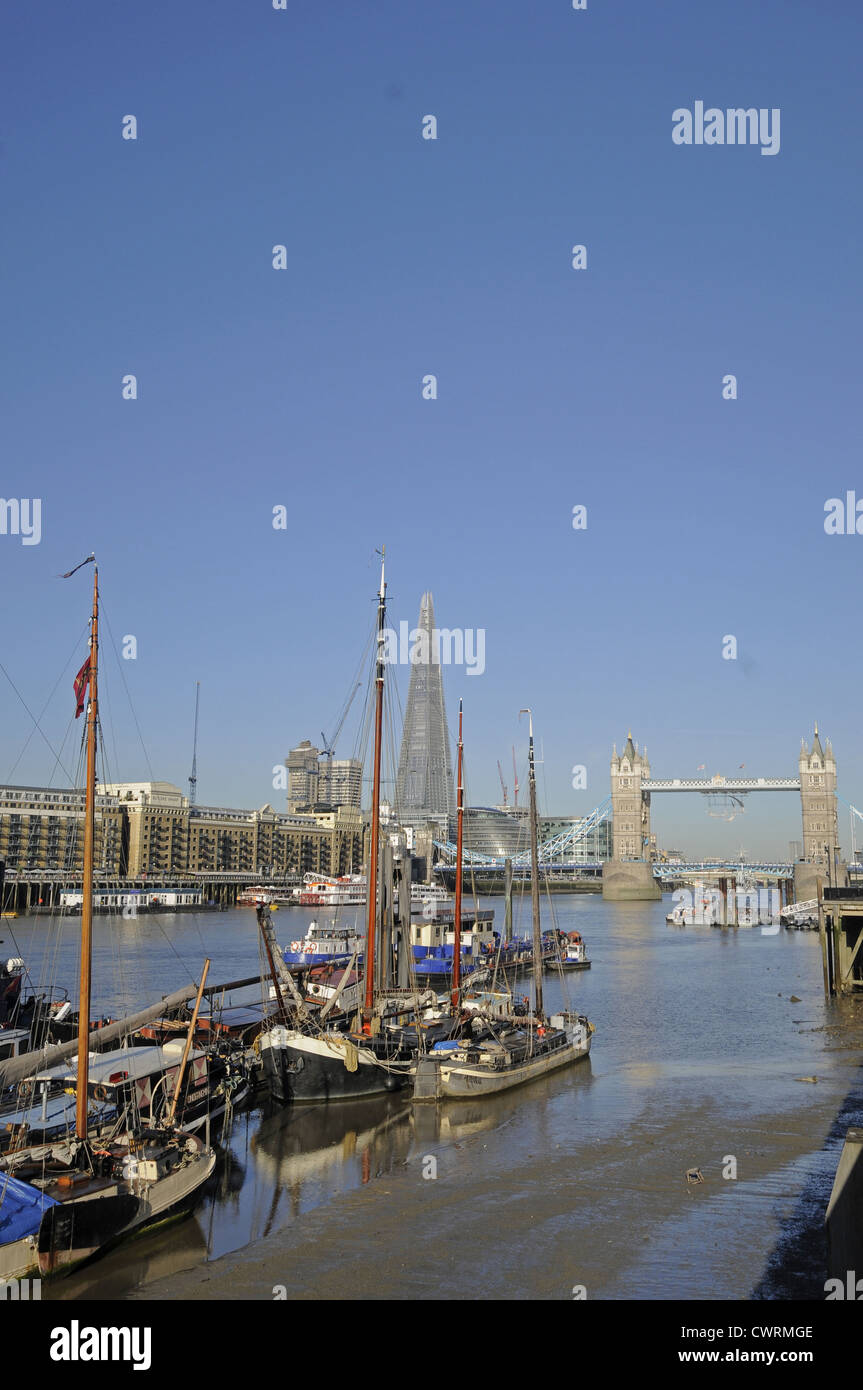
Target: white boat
573,955
319,890
802,916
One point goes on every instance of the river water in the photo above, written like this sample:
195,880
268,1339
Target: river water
575,1182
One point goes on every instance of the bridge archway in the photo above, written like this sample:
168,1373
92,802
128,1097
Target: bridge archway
630,872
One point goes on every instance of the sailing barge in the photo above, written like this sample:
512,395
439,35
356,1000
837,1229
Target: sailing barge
508,1050
86,1194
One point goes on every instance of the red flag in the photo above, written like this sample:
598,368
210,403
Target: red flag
82,680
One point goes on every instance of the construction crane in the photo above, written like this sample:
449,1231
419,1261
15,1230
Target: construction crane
502,783
515,775
329,747
193,779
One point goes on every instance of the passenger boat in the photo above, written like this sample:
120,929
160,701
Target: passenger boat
319,890
273,895
324,944
135,900
704,909
85,1194
433,945
802,916
516,1046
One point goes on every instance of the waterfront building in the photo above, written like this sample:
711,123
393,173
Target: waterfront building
425,791
149,828
42,828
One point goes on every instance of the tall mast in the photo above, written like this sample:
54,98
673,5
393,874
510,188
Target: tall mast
534,872
87,902
372,887
456,952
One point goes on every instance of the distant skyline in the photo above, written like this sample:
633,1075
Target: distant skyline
578,484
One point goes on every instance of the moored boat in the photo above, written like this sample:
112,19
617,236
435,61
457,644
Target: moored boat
573,952
802,916
513,1049
320,890
93,1192
324,944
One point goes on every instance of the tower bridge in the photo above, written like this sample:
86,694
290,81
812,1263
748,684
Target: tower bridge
630,875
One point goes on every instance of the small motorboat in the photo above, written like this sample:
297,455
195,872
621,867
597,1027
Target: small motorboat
573,952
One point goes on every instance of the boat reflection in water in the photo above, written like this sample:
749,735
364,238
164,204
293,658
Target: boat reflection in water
155,1255
342,1146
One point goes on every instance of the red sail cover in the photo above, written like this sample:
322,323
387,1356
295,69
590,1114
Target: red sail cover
82,680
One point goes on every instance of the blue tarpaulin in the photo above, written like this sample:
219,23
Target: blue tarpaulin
21,1208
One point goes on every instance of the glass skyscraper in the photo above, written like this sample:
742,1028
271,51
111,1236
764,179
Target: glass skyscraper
425,790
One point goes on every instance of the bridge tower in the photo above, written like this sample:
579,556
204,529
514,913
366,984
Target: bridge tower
821,851
628,874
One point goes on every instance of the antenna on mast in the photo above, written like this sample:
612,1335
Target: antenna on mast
193,779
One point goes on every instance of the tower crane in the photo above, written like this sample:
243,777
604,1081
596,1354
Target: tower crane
329,747
502,783
515,775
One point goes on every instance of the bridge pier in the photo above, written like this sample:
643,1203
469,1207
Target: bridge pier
629,880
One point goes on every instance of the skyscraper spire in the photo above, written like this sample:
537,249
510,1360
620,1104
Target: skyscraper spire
424,784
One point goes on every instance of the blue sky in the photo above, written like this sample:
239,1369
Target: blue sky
556,387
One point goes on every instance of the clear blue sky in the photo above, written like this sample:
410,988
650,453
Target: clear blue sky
556,387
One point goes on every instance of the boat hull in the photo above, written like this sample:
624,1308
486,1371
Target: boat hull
19,1259
440,1081
299,1069
74,1231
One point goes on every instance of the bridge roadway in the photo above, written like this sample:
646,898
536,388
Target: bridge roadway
721,784
731,869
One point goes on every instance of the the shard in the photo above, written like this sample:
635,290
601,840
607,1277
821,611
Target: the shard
424,784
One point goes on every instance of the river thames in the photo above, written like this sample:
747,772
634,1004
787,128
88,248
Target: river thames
707,1042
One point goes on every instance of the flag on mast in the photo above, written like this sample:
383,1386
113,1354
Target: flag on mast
82,680
90,560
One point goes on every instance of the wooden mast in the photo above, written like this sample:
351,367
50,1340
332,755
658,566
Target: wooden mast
456,951
87,902
534,874
193,1023
372,883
